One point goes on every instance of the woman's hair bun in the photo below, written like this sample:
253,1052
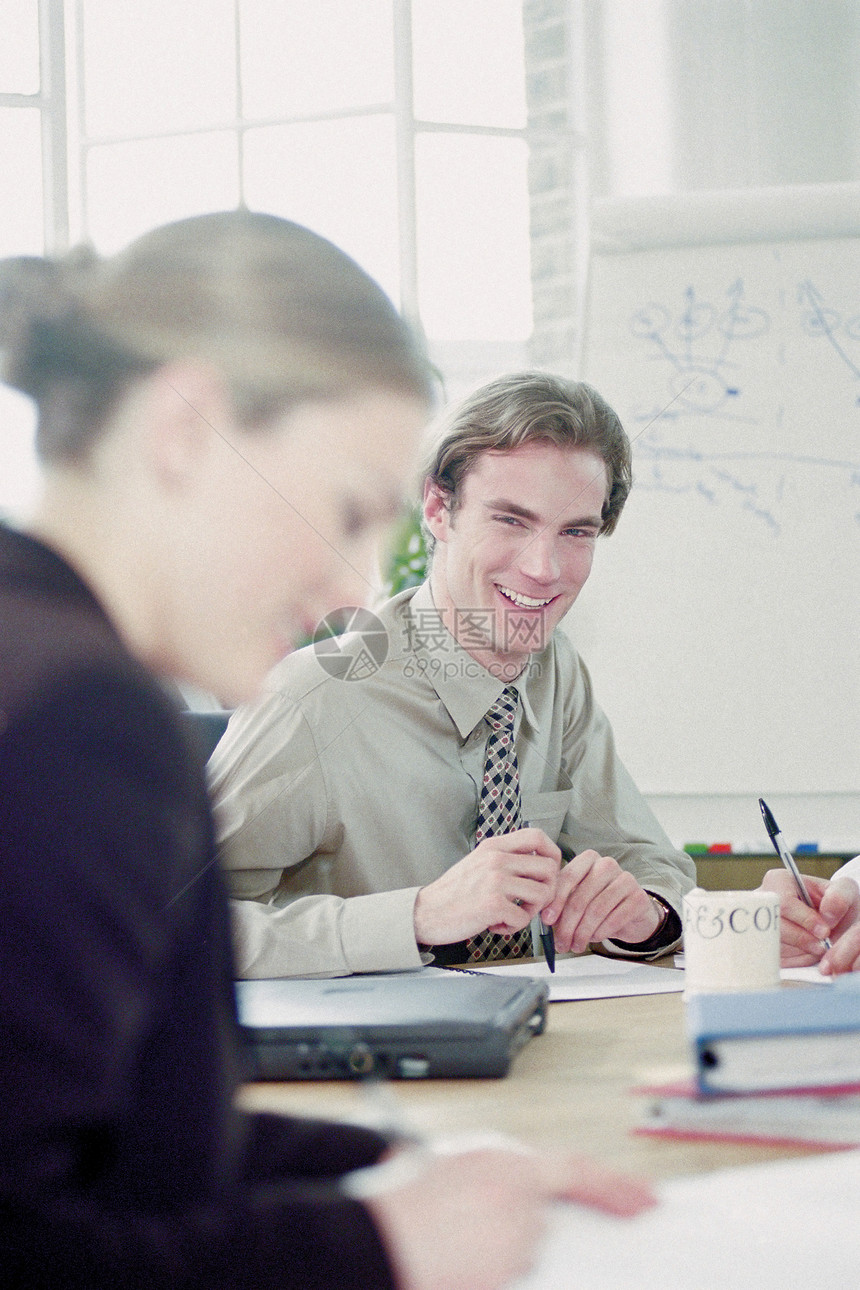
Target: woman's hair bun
38,294
47,334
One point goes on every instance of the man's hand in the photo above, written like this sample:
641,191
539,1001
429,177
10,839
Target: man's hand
836,914
472,1220
596,899
500,885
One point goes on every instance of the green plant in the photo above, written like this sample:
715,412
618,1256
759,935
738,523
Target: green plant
406,564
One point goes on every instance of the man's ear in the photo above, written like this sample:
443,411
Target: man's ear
188,419
437,513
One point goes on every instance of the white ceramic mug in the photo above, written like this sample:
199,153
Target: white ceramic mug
731,941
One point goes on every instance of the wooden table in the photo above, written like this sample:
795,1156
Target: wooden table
569,1087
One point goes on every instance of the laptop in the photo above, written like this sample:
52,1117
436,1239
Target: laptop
430,1024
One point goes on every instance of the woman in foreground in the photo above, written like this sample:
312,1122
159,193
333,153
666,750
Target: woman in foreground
227,416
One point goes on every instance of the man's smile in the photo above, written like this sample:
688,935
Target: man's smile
524,602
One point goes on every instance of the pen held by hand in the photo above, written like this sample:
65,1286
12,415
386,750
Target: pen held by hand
547,936
547,940
781,848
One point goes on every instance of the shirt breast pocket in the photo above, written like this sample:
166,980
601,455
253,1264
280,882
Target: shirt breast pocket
546,811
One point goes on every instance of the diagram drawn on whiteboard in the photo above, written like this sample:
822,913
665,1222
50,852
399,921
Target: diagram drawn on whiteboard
738,382
699,344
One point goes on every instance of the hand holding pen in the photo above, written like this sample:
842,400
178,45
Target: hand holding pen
781,848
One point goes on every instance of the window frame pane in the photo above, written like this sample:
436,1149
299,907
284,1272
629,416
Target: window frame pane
21,133
20,70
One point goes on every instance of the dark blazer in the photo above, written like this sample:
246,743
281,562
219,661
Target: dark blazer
123,1162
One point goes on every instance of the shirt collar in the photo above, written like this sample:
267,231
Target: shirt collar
464,685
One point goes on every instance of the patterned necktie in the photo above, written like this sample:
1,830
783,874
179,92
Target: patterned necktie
500,811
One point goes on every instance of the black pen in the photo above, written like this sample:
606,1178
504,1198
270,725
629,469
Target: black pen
786,857
547,937
547,940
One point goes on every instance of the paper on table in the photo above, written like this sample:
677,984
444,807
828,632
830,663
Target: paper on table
590,976
768,1226
810,974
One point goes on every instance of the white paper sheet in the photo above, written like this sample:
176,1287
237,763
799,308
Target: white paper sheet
590,976
763,1227
810,974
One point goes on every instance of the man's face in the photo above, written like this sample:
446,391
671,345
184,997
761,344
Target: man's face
517,550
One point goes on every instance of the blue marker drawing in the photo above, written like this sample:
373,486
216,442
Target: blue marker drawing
819,320
710,351
697,343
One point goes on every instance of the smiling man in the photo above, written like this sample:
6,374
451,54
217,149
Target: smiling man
429,783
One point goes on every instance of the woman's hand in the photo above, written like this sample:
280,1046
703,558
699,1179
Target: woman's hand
472,1220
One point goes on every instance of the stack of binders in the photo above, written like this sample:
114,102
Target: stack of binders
781,1066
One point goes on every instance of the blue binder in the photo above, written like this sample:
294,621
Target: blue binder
802,1037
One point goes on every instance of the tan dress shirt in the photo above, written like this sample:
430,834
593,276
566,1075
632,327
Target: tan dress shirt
336,800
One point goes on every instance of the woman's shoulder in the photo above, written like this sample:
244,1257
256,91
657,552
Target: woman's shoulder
66,677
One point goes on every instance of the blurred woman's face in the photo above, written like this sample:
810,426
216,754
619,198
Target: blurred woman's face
300,508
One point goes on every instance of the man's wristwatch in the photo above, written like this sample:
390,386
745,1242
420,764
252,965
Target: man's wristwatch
662,909
667,932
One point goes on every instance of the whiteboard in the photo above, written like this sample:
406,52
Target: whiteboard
722,620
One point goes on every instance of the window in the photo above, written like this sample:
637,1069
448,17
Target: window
395,127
